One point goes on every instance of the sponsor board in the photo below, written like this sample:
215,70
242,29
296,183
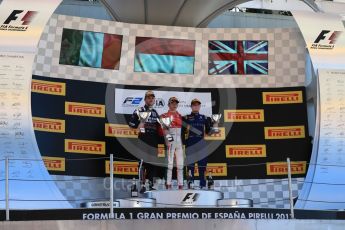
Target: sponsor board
54,163
245,151
84,146
244,115
285,97
48,87
284,132
84,109
123,167
216,136
127,100
118,130
280,168
217,169
48,125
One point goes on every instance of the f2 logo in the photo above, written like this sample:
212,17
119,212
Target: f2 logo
132,100
190,198
28,17
332,39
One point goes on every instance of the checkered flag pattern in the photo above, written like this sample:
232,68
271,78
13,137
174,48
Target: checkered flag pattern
286,55
265,193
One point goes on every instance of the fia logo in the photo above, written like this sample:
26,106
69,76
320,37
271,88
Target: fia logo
190,198
25,20
159,103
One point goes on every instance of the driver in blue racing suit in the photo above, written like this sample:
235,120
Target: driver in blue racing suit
196,125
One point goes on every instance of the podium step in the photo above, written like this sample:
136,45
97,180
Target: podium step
185,197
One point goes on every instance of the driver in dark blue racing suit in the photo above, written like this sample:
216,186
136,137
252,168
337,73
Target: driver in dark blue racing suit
196,126
150,137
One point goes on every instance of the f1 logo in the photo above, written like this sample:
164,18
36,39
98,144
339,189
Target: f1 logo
332,39
190,197
28,17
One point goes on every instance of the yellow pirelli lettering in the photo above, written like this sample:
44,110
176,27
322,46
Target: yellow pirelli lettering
85,146
54,163
244,115
84,109
48,125
285,97
48,87
284,132
280,168
245,151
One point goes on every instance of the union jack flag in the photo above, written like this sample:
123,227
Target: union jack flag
237,57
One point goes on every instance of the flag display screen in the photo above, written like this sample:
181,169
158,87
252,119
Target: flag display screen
161,55
90,49
237,57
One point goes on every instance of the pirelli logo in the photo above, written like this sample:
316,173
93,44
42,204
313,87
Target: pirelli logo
83,109
48,87
117,130
161,150
217,169
216,136
85,146
54,163
280,168
287,97
245,151
244,115
284,132
123,168
48,125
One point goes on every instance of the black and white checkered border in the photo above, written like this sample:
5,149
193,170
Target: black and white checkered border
286,55
265,193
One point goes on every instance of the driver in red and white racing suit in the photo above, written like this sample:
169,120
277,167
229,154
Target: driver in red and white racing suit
174,143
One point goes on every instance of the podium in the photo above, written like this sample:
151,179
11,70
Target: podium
137,202
235,203
99,204
132,202
175,199
185,198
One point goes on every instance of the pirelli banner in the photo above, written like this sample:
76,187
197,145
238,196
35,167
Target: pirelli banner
76,120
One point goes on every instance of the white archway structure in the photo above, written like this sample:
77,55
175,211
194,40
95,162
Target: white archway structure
192,13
